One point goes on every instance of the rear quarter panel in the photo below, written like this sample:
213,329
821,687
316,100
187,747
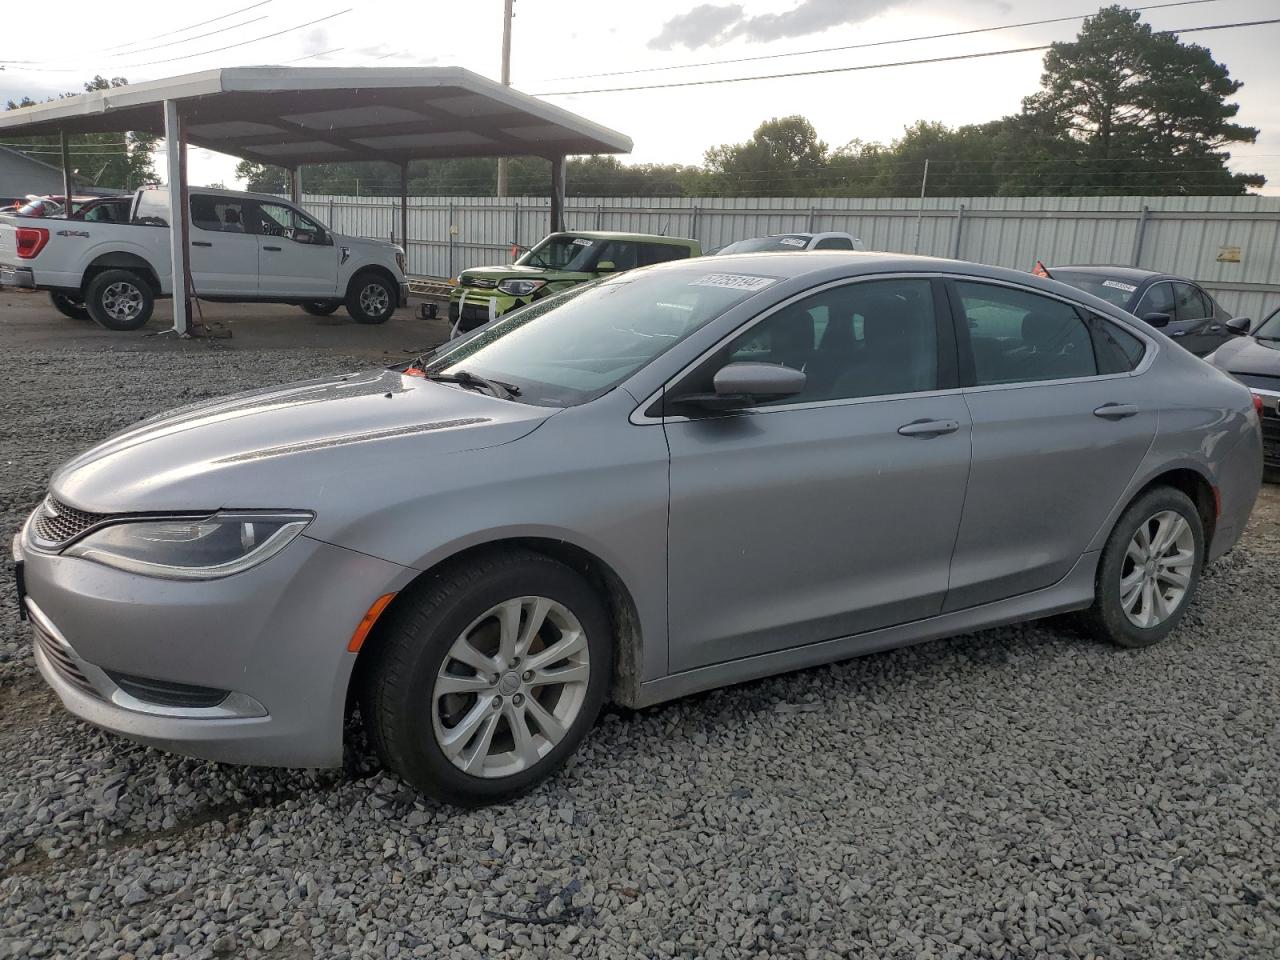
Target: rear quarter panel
74,244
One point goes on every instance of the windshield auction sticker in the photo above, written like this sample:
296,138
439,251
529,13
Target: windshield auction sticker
1126,287
734,281
582,242
792,241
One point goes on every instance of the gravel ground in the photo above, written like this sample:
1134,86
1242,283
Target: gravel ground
1021,792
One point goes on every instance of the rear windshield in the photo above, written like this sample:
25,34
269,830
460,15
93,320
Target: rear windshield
790,242
580,344
1111,289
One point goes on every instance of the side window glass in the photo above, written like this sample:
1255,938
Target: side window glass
1117,350
621,253
153,209
869,339
1157,299
651,253
1188,303
1018,336
834,243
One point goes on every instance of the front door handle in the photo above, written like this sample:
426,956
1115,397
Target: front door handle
1115,411
1178,333
201,243
928,428
273,249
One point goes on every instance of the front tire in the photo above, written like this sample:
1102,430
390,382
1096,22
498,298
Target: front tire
371,299
487,680
69,306
321,308
119,300
1149,570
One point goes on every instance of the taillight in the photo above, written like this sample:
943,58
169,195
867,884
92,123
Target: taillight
31,240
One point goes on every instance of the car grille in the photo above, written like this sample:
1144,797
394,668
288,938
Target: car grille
480,283
56,523
1270,432
61,660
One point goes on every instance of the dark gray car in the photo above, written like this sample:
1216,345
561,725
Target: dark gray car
1181,308
1254,360
673,479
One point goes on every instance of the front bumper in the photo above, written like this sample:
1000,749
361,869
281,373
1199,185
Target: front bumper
11,276
404,294
471,307
274,638
1270,427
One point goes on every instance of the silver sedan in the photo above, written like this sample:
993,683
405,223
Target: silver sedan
678,478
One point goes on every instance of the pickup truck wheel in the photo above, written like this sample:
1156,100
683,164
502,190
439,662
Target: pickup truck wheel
119,300
69,306
371,299
321,308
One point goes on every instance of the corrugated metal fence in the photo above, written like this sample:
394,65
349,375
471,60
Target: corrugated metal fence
1229,244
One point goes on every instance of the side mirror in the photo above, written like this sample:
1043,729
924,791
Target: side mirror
739,385
1239,326
1156,319
605,266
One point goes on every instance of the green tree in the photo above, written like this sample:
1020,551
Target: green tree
784,157
1148,112
110,160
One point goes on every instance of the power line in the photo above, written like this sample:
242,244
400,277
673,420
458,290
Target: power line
869,66
245,43
863,46
193,26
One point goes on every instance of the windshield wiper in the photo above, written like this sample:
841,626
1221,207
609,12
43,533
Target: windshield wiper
464,378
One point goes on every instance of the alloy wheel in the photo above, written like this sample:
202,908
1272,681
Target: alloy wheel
122,301
374,299
510,687
1157,568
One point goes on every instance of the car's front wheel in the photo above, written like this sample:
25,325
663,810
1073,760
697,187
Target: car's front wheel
371,299
485,682
1149,569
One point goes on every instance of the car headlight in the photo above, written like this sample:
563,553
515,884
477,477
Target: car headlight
191,548
520,288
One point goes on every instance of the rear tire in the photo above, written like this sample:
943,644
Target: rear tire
1149,570
495,724
119,300
371,298
322,308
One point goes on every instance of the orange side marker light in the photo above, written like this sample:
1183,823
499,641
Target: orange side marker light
366,624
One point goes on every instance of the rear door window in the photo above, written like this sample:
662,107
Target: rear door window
1117,350
1157,299
1018,336
220,214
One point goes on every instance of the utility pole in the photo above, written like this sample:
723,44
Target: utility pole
924,183
506,82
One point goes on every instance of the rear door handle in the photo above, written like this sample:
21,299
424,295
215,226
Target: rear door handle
1174,333
275,249
201,243
1115,411
929,428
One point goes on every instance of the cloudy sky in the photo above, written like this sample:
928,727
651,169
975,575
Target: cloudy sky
556,45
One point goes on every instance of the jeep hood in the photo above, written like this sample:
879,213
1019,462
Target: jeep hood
289,447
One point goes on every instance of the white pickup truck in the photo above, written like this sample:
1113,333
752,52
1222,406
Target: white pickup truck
245,247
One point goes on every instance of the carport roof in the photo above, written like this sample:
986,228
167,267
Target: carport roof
293,115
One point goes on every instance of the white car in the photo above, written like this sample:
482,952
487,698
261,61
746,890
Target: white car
245,247
791,242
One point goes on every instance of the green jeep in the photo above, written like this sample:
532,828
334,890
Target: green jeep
560,261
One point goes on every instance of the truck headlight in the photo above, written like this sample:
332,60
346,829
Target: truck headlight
192,548
520,288
401,262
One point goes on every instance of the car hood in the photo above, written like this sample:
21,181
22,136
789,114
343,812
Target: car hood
364,242
518,272
289,447
1249,356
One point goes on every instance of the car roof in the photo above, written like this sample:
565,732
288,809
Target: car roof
221,192
1110,270
616,235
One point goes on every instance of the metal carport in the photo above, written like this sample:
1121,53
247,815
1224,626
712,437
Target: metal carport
292,116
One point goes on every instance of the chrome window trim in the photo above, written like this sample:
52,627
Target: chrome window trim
639,418
235,706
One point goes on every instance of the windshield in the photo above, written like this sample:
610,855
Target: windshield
580,344
790,242
562,251
1110,289
1269,329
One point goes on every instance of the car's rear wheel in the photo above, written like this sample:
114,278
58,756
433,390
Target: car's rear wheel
321,308
69,306
485,682
1149,569
119,300
371,299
